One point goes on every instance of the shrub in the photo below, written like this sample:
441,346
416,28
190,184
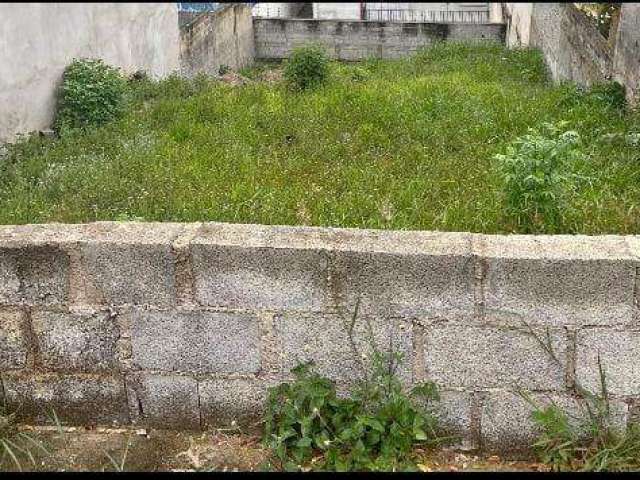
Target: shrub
537,178
308,426
611,94
307,67
92,93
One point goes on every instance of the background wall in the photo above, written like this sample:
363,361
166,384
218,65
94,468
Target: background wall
223,37
186,325
573,47
357,40
38,40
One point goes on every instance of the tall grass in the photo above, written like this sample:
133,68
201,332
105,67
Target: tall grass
403,144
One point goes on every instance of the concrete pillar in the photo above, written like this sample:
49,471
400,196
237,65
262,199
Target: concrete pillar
626,59
495,13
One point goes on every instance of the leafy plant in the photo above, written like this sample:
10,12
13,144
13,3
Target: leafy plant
537,178
611,94
307,67
92,93
308,426
591,444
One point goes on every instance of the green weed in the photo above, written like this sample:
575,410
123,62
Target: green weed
393,144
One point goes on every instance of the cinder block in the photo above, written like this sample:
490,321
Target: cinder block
324,340
559,279
164,401
129,263
405,273
224,401
83,341
506,423
195,341
488,357
33,275
453,411
13,341
252,271
76,399
620,356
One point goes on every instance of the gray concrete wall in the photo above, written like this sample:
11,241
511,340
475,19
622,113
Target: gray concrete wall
358,40
626,63
222,37
186,325
38,40
573,47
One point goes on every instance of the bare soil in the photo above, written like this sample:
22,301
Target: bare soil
97,450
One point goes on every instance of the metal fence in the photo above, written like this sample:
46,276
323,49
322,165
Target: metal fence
198,7
427,16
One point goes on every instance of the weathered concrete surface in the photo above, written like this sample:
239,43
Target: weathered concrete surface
84,341
275,38
164,401
195,341
324,339
482,357
215,39
626,61
81,399
13,339
187,325
38,40
573,47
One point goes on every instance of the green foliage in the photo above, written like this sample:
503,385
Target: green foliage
16,448
308,426
92,93
590,443
611,94
410,148
537,174
307,67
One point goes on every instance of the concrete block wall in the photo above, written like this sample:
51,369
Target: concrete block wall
213,39
187,325
275,38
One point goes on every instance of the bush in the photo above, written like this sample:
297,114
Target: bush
92,93
611,94
307,67
309,427
537,178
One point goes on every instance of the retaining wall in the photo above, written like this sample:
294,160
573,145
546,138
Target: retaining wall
186,325
275,38
213,39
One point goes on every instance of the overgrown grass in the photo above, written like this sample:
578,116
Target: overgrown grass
406,144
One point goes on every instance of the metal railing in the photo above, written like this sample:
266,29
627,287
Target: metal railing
427,16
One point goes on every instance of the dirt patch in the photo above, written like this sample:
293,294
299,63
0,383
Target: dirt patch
98,450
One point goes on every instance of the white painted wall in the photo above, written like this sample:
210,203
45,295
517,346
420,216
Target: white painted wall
37,41
518,34
351,10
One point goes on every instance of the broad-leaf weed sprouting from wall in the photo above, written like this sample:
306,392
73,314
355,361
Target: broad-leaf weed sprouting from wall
307,67
591,444
537,178
92,94
309,427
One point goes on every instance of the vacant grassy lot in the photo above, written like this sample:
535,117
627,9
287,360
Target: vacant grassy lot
403,144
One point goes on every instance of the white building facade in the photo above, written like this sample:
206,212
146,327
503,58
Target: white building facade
472,12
